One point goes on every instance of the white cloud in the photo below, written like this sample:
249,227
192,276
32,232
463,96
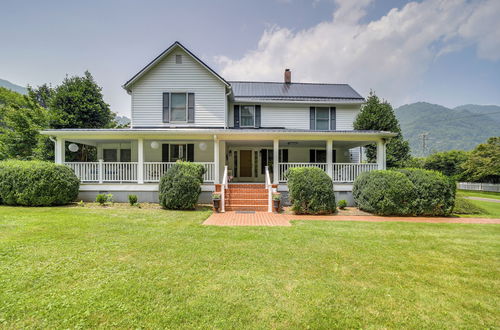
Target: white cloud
388,55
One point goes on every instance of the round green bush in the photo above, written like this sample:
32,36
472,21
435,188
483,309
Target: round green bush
180,187
435,192
37,183
310,191
384,193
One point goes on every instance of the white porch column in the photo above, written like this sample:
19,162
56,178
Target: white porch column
276,159
381,155
140,161
59,151
329,157
216,159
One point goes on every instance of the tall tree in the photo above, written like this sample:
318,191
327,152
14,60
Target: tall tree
78,103
379,115
483,164
21,119
41,94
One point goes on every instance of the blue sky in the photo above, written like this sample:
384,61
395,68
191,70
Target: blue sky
445,52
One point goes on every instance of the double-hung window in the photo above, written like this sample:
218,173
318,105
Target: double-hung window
247,116
178,112
322,119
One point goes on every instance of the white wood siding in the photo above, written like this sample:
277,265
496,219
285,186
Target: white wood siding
167,76
297,116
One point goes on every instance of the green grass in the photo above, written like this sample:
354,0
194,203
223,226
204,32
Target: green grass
483,194
145,268
491,209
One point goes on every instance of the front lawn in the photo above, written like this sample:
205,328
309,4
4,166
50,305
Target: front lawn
491,209
70,267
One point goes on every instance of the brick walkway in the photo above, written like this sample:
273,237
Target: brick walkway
271,219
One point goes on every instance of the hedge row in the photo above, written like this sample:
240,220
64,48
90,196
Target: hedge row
37,183
405,192
180,187
310,190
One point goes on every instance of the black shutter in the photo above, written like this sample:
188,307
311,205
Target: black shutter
333,119
257,116
334,156
263,160
166,107
312,118
190,107
190,152
236,116
164,153
312,156
285,156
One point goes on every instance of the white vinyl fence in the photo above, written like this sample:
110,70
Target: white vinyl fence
493,187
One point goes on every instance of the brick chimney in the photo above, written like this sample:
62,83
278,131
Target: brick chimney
288,76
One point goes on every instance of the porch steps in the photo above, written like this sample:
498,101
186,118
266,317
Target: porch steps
246,197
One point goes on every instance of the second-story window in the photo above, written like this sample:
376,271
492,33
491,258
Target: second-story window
247,116
322,119
179,107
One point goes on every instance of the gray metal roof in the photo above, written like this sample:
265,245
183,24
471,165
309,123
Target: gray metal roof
293,91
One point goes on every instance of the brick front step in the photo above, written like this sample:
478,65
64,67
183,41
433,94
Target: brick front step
234,201
246,208
246,191
246,185
238,195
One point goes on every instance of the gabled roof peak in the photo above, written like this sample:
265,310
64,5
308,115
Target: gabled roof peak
160,57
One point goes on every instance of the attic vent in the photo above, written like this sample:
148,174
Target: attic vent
178,59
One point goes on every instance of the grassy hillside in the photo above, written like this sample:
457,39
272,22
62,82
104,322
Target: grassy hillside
460,128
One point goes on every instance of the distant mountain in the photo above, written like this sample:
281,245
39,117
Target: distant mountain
492,111
122,120
460,128
13,87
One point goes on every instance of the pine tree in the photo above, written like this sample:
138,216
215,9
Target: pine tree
379,116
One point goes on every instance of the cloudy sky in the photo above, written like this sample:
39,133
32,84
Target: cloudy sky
439,51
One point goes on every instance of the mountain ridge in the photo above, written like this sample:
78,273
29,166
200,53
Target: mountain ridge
462,127
13,87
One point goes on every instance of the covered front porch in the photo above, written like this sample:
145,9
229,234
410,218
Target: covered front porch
129,156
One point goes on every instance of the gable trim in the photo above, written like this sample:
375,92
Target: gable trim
160,57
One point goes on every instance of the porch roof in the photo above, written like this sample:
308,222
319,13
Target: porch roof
257,133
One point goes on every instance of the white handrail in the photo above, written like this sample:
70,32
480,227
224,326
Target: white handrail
223,188
340,172
269,188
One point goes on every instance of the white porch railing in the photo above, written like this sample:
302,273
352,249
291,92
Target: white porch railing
348,172
341,172
86,171
127,172
119,172
283,167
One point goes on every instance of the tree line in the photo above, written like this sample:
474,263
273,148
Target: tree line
479,165
76,103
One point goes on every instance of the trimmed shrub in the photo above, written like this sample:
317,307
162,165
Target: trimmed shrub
463,206
342,204
37,183
132,199
384,193
101,199
180,187
435,192
310,191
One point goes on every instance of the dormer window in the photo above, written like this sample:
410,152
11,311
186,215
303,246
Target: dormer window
178,59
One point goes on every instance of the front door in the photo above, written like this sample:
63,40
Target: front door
245,163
